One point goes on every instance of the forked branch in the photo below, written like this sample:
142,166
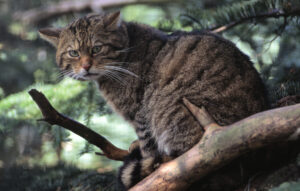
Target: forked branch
55,118
200,114
219,146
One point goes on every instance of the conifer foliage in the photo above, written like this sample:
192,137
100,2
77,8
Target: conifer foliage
241,12
268,31
263,26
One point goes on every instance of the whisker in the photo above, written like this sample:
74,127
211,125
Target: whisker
115,73
67,73
110,77
59,75
113,78
119,69
116,77
62,72
72,75
117,63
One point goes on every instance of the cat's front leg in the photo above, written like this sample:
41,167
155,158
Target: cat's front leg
134,145
142,159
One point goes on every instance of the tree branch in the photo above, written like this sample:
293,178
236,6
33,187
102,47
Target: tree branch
271,14
39,15
219,146
200,114
55,118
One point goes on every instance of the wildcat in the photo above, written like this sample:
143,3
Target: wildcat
144,74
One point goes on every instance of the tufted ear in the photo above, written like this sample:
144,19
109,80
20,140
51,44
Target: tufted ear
51,35
112,21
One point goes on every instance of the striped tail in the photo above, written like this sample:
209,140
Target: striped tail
135,168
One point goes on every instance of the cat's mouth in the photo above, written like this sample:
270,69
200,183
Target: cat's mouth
90,74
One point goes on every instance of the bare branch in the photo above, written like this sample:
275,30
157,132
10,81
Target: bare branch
201,114
220,146
217,147
55,118
39,15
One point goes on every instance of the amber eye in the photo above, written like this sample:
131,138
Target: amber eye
73,53
96,49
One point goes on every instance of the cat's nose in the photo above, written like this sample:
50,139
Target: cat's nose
86,66
86,63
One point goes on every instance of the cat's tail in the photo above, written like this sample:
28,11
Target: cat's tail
135,168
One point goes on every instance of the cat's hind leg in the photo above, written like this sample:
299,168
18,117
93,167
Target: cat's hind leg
176,130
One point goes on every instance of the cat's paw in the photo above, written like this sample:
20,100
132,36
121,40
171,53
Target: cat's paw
134,145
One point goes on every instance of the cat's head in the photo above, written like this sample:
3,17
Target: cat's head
89,47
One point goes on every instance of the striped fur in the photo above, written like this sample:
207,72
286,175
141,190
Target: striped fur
151,73
135,168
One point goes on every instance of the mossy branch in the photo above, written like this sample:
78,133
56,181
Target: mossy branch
220,145
53,117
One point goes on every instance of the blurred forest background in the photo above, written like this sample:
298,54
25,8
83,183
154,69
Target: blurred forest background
268,31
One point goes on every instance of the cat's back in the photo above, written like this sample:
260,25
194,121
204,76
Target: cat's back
211,72
199,51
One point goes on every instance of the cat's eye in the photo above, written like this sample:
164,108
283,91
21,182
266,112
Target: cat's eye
73,53
96,49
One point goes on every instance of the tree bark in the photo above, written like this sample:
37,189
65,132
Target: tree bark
55,118
219,146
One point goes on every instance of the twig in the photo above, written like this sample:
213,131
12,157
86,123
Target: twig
53,117
272,14
191,18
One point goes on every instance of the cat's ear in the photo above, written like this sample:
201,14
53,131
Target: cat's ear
112,21
51,35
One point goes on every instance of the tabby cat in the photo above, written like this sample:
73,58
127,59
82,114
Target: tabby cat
144,74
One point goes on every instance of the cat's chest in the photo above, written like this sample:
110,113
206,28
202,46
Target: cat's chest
125,101
151,98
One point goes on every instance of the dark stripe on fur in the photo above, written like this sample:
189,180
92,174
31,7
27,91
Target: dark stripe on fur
134,157
68,66
136,174
150,145
145,135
